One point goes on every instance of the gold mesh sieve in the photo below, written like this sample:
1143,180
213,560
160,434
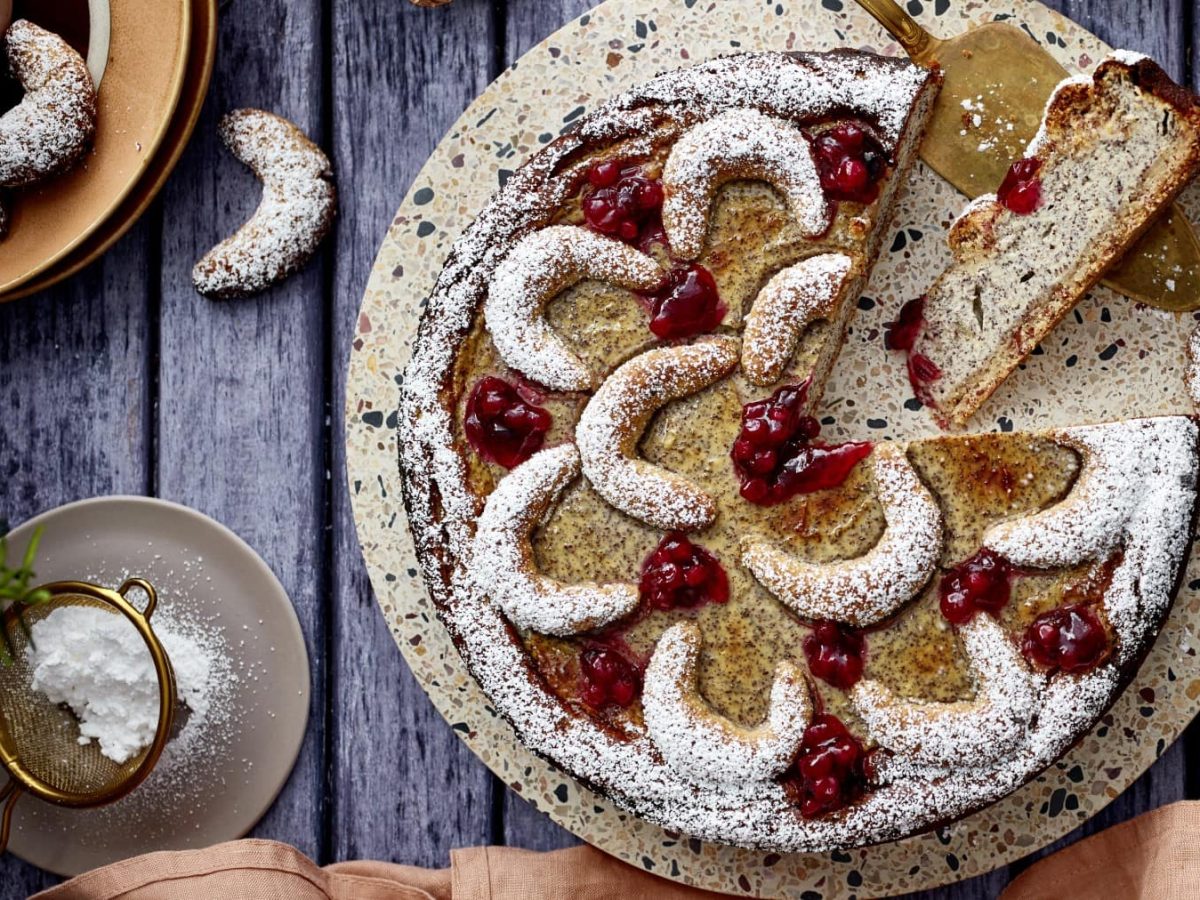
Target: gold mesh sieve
39,743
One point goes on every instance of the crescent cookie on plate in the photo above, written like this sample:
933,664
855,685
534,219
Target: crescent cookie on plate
49,130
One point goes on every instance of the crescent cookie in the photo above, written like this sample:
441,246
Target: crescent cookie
699,742
505,567
47,132
875,586
295,214
613,422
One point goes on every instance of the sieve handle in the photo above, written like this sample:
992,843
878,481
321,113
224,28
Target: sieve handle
12,791
145,586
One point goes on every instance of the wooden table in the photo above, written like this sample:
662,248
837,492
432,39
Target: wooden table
124,380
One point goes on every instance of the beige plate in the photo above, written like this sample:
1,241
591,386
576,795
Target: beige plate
1111,360
204,573
142,83
200,58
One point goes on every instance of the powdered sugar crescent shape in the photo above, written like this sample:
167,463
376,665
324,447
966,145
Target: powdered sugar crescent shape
701,744
614,419
503,562
738,144
49,129
793,299
540,266
875,586
967,732
294,215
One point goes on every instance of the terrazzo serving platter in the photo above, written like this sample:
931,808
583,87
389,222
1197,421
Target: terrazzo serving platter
1108,360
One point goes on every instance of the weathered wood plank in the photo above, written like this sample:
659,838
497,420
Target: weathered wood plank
404,786
75,393
242,386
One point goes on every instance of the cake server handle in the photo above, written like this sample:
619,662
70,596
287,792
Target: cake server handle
919,44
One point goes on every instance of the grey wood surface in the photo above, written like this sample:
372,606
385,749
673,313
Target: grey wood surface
122,380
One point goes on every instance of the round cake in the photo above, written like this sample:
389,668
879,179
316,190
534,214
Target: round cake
650,561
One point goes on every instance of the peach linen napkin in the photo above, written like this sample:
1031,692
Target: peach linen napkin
1154,856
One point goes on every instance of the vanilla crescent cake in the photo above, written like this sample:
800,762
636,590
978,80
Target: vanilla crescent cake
652,563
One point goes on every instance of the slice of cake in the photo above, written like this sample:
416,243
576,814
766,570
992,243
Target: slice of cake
1113,152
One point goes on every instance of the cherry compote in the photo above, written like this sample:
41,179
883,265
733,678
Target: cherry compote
1070,639
680,574
622,202
776,456
608,678
686,304
851,163
502,425
829,772
835,654
1021,190
979,584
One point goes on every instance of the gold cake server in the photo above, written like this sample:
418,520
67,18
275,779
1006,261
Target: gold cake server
997,81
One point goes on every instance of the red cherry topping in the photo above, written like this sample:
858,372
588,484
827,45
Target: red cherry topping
607,677
1021,190
851,163
501,425
835,654
980,583
1071,639
829,772
621,201
902,334
680,574
774,454
686,304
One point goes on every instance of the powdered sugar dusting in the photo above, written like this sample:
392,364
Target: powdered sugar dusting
505,567
541,265
702,745
966,733
871,588
792,300
293,217
49,129
1121,465
614,419
741,143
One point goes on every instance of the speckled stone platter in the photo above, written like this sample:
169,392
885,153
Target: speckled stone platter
1109,360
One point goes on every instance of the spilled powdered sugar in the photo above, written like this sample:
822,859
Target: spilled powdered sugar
540,266
739,144
615,417
506,569
875,586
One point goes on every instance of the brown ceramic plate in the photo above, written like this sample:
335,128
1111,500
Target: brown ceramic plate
138,95
216,786
200,60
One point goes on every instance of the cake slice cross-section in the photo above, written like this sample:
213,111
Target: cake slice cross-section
1113,151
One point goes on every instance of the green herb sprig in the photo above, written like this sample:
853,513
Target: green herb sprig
16,592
